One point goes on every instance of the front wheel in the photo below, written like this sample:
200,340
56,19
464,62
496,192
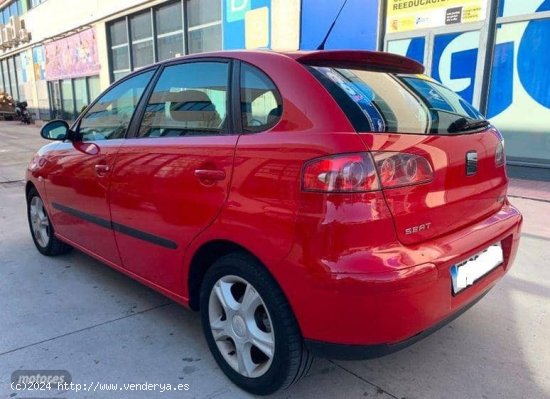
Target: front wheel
41,228
250,328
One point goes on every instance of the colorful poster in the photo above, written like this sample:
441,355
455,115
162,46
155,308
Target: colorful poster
73,56
253,24
407,15
39,63
519,98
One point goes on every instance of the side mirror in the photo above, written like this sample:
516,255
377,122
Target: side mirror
55,130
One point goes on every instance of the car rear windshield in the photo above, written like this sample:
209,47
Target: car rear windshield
397,103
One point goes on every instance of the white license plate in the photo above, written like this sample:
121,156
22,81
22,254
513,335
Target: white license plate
468,272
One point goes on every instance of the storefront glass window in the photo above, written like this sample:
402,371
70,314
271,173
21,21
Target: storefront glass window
205,39
34,3
68,100
93,87
80,94
120,54
204,25
169,18
120,58
519,87
6,76
204,34
13,81
203,11
169,24
118,32
141,32
454,60
412,48
170,46
13,10
508,8
19,73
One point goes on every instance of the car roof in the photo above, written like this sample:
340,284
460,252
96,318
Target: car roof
353,59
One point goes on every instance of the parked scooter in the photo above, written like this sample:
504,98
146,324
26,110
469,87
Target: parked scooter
22,112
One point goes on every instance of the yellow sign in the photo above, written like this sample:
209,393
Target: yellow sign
405,15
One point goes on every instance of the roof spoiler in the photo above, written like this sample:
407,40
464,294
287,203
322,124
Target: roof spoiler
355,59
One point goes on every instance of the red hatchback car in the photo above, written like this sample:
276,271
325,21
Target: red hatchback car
330,203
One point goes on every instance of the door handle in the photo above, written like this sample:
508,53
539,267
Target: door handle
102,170
210,174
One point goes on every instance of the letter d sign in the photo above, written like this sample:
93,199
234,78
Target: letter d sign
236,9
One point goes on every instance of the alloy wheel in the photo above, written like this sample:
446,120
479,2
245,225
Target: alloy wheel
39,222
241,326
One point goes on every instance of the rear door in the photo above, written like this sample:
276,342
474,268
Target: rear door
171,179
398,114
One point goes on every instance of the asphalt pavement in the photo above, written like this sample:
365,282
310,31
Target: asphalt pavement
73,313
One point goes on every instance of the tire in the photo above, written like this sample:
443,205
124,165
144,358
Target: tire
265,318
42,231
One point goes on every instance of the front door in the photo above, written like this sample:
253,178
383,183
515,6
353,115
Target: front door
78,186
171,180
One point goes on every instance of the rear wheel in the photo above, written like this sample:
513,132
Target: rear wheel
41,228
250,328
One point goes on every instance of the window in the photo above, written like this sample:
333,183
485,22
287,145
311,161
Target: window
80,94
383,102
141,31
169,22
20,78
34,3
13,78
93,88
158,34
189,99
67,99
205,29
120,53
1,80
109,117
261,105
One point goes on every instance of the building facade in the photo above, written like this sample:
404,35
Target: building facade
60,54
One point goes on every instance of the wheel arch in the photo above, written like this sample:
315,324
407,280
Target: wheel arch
28,187
203,258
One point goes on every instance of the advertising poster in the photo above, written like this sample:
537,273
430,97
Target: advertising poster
407,15
39,63
73,56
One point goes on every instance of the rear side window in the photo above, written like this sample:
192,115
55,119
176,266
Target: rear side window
394,103
261,105
188,99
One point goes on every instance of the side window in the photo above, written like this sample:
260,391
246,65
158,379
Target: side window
109,117
188,99
261,105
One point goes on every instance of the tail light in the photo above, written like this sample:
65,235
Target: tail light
361,172
500,157
341,173
398,169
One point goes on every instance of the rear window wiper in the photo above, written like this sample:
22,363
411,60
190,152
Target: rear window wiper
465,124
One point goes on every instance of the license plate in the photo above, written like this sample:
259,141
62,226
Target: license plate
468,272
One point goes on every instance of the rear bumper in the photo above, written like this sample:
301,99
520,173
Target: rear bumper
361,352
403,294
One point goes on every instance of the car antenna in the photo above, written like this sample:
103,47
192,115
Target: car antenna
322,45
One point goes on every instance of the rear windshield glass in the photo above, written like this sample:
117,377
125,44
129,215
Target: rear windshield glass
396,103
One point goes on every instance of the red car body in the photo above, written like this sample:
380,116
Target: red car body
364,272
